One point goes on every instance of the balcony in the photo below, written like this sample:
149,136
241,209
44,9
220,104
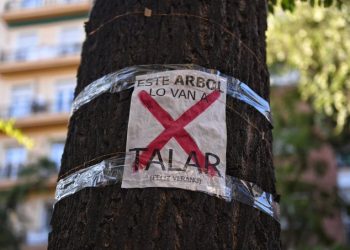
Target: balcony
9,177
40,57
37,113
21,11
10,171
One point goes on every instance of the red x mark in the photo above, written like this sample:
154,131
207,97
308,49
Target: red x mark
175,128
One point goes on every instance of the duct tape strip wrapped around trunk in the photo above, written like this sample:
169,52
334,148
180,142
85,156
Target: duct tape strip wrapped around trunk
125,79
110,171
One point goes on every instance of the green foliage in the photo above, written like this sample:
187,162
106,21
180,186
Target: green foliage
304,204
291,4
316,41
8,240
32,177
41,169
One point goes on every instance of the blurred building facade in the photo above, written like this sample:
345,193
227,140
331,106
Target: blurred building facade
40,45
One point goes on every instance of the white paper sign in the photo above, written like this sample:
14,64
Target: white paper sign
177,132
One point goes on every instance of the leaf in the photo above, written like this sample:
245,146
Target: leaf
289,5
316,42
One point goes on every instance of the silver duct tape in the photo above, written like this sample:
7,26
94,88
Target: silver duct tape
124,79
106,172
110,171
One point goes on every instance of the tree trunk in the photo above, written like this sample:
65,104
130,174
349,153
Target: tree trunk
228,35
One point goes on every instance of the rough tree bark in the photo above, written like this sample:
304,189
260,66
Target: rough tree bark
229,37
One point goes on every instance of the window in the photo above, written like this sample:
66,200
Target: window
71,39
343,160
48,214
26,46
64,96
70,1
38,236
31,3
56,153
15,157
71,35
21,101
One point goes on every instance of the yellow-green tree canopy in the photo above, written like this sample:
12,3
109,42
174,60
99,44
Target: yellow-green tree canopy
291,4
316,42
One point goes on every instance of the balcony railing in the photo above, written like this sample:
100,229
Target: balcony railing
33,108
16,172
10,171
13,5
40,53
